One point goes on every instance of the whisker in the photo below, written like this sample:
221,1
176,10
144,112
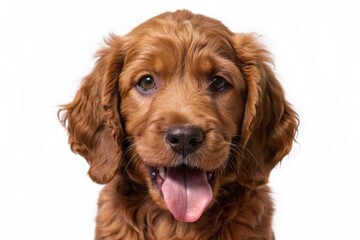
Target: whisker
240,149
125,153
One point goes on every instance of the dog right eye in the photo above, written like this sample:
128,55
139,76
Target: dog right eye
218,84
146,84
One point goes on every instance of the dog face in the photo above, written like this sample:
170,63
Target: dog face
182,101
197,105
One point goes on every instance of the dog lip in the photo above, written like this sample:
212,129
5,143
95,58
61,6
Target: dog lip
210,176
158,175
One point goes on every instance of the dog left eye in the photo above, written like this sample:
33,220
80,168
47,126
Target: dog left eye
218,84
146,84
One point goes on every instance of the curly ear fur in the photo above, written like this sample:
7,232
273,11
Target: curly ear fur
270,124
92,119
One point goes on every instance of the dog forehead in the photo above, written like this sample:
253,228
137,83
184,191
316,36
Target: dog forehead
181,30
170,40
182,20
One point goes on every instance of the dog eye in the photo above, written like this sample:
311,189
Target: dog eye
146,84
218,84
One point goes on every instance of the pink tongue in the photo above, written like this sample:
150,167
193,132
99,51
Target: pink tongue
186,193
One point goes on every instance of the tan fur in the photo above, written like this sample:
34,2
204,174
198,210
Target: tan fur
249,127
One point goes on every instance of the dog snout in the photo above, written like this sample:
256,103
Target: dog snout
184,139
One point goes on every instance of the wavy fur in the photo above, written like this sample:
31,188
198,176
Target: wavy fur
119,130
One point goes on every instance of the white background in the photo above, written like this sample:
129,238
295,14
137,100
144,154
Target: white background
46,47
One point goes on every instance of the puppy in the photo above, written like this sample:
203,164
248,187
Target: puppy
183,120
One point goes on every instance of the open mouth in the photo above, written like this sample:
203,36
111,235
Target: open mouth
186,191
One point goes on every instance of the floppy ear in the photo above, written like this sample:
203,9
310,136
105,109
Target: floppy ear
92,119
269,124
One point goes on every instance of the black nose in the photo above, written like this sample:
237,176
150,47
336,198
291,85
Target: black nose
184,140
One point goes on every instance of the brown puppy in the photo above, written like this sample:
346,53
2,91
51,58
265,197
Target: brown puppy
183,121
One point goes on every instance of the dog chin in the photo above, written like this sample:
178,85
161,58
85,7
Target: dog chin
186,191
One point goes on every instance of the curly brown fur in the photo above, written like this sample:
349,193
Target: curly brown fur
182,70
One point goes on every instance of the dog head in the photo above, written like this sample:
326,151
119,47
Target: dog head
197,106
